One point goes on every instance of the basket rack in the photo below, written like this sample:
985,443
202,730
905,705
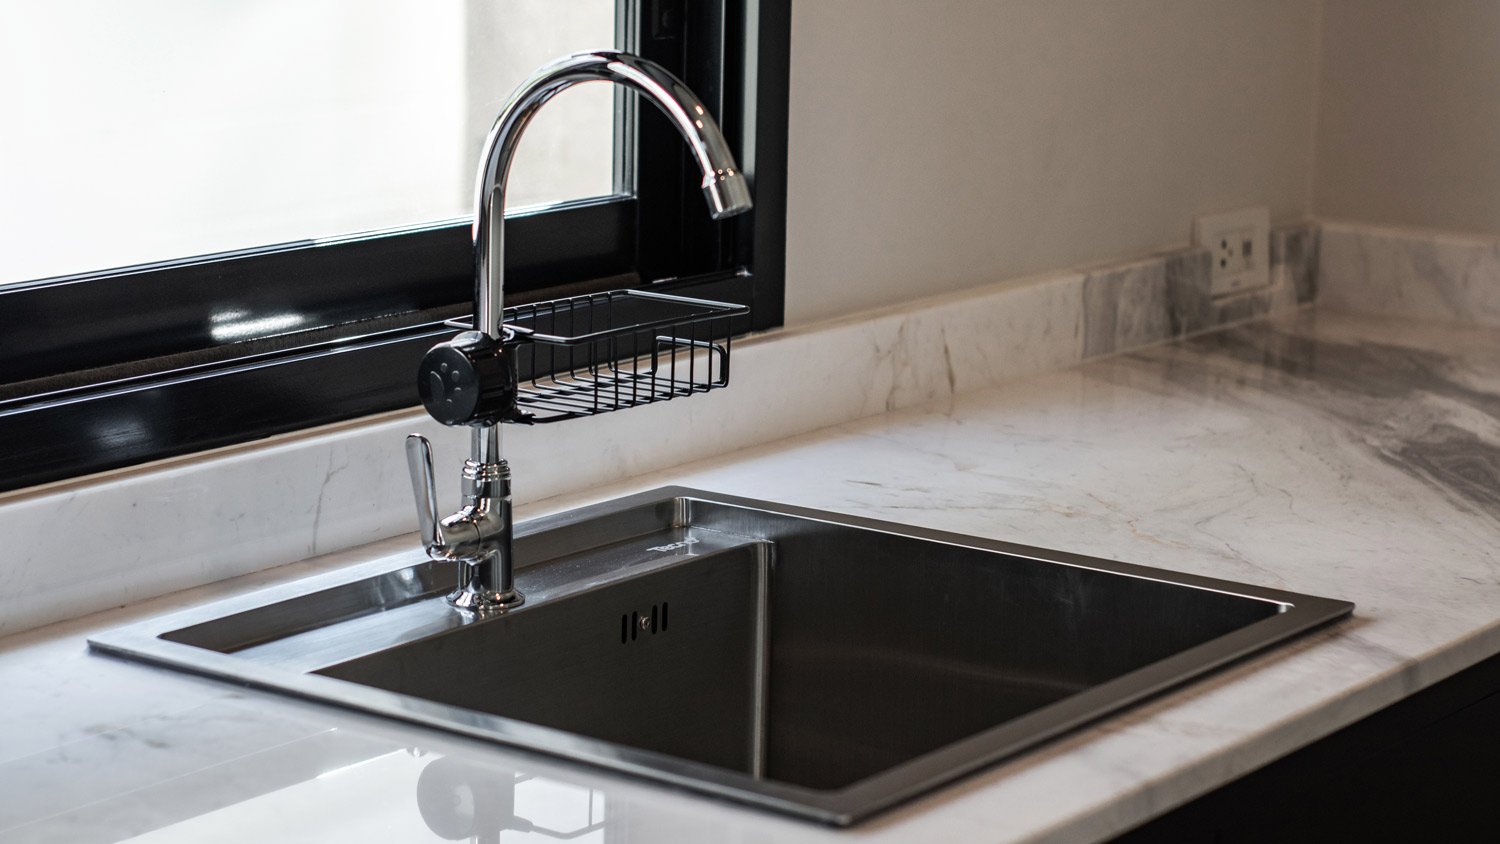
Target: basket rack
591,354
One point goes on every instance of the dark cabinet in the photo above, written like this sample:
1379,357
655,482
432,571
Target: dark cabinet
1424,769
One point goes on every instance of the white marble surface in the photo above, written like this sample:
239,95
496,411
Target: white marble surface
143,532
1411,272
1356,458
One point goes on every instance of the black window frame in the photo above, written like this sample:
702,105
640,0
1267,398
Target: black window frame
110,369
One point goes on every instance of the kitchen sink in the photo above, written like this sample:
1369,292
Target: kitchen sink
813,663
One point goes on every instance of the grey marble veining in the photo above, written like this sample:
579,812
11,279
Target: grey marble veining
1126,308
1165,297
1187,278
1402,272
1333,454
1294,256
1420,411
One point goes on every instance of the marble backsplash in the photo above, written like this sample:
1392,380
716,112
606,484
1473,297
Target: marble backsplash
149,530
1165,297
1408,272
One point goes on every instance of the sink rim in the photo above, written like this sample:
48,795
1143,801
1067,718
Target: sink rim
143,641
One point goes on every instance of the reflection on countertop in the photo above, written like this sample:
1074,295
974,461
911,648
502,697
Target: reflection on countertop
192,777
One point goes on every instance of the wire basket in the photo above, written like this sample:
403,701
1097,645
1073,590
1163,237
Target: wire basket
592,354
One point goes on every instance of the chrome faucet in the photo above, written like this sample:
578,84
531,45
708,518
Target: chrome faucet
471,379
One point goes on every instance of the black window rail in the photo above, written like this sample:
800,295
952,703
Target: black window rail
116,368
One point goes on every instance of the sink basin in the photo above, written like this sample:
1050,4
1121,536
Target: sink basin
818,664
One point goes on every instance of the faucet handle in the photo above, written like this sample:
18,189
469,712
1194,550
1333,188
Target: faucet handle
423,487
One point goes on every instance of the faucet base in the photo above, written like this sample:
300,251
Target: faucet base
483,602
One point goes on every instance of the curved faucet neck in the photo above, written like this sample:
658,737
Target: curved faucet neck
723,184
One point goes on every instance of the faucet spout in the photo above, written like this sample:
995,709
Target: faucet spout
724,186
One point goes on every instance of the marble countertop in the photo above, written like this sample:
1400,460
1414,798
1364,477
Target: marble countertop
1351,457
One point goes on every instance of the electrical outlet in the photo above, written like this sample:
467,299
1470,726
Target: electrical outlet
1239,244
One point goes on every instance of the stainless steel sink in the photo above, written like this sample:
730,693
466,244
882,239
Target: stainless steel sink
818,664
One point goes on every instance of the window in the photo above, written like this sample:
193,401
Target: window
108,368
298,121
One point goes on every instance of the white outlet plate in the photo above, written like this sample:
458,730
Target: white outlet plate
1239,243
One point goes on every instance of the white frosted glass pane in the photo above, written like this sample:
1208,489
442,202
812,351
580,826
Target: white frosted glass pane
144,130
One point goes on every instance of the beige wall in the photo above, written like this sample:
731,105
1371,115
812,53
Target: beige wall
952,143
1409,113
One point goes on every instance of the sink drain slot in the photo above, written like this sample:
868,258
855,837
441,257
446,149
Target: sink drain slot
633,624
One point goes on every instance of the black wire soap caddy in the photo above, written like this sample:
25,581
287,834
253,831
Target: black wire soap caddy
591,354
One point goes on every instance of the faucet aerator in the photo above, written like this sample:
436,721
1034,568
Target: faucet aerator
728,194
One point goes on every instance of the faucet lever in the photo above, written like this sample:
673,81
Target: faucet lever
423,487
